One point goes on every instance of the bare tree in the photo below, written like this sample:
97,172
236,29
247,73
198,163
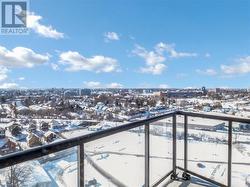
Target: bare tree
17,175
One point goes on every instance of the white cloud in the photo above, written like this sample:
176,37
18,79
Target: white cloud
209,72
76,62
170,49
108,36
33,22
21,78
92,84
154,69
151,57
163,86
154,60
114,85
21,57
95,84
3,73
242,66
9,86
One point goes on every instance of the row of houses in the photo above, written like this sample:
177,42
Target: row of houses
9,145
13,137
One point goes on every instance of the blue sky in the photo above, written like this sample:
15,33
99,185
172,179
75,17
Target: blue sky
114,43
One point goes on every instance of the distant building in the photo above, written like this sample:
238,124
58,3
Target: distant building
83,92
186,93
70,93
204,90
218,90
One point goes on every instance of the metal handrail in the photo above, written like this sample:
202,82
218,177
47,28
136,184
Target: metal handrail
213,116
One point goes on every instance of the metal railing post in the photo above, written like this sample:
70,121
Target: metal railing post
229,177
147,155
185,141
174,143
80,165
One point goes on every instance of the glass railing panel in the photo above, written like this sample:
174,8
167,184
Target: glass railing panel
241,154
161,151
208,148
116,160
180,140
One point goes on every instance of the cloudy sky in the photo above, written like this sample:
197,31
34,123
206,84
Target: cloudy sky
154,43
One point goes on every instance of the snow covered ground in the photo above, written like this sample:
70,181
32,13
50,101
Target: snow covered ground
75,133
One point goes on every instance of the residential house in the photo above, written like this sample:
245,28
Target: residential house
15,129
34,140
32,127
50,136
44,126
7,146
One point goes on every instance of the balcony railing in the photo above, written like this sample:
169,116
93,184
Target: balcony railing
203,155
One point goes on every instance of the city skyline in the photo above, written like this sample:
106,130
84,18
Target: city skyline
161,44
